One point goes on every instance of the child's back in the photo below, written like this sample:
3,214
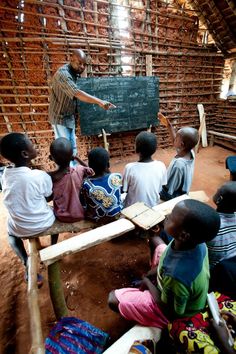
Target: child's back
101,194
67,182
24,192
143,180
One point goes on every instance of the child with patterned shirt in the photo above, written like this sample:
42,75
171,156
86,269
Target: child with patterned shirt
101,193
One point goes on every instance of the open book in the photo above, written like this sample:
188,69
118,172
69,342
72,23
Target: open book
143,216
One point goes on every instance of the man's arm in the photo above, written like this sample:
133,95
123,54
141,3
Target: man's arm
165,121
85,97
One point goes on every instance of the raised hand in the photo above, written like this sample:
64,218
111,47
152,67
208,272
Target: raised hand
163,119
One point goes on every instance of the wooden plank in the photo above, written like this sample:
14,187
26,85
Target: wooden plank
142,215
61,227
148,65
166,207
86,240
227,136
123,344
202,118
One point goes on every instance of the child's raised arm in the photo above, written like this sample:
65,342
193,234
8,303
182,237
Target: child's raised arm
165,121
81,162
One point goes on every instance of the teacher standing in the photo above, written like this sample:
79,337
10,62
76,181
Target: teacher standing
64,96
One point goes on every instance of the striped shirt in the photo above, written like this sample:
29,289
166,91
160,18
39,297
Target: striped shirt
63,104
223,246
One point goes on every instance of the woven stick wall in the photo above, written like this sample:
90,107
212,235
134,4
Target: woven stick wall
37,37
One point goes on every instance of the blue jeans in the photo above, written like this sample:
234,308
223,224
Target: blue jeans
61,131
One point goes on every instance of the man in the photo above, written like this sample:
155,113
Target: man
63,106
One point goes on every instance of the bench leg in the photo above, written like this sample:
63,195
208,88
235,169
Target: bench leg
56,291
37,346
211,140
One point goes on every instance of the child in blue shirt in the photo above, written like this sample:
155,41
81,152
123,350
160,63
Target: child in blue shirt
181,168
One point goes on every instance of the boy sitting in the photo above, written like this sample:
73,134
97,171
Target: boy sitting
25,192
223,246
67,182
181,168
222,249
143,180
101,193
182,273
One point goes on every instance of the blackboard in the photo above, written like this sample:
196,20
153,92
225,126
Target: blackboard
136,99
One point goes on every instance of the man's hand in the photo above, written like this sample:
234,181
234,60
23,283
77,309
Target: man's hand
163,120
106,105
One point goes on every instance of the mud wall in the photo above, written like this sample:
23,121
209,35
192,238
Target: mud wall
155,38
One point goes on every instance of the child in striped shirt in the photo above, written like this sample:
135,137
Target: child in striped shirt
223,246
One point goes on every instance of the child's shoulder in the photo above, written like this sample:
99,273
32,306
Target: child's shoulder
38,176
131,165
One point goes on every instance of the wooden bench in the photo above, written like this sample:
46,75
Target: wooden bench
85,240
123,344
226,140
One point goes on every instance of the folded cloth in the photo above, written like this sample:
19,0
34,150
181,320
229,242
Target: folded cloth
72,336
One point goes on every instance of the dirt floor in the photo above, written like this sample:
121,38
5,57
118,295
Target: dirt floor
89,275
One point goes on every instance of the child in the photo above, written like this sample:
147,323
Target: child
143,180
101,193
67,182
182,274
25,192
223,246
180,170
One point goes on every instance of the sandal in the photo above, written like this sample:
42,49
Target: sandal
39,279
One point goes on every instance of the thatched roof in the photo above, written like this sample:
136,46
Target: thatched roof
219,16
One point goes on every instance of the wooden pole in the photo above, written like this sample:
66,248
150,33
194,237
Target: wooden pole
104,135
148,65
56,291
37,346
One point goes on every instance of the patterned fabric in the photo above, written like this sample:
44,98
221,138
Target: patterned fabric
72,336
192,334
143,347
63,104
101,197
223,246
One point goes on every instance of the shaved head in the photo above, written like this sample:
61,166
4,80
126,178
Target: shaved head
189,137
61,151
78,60
79,53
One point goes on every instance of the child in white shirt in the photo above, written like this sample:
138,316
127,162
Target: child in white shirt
25,192
143,180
